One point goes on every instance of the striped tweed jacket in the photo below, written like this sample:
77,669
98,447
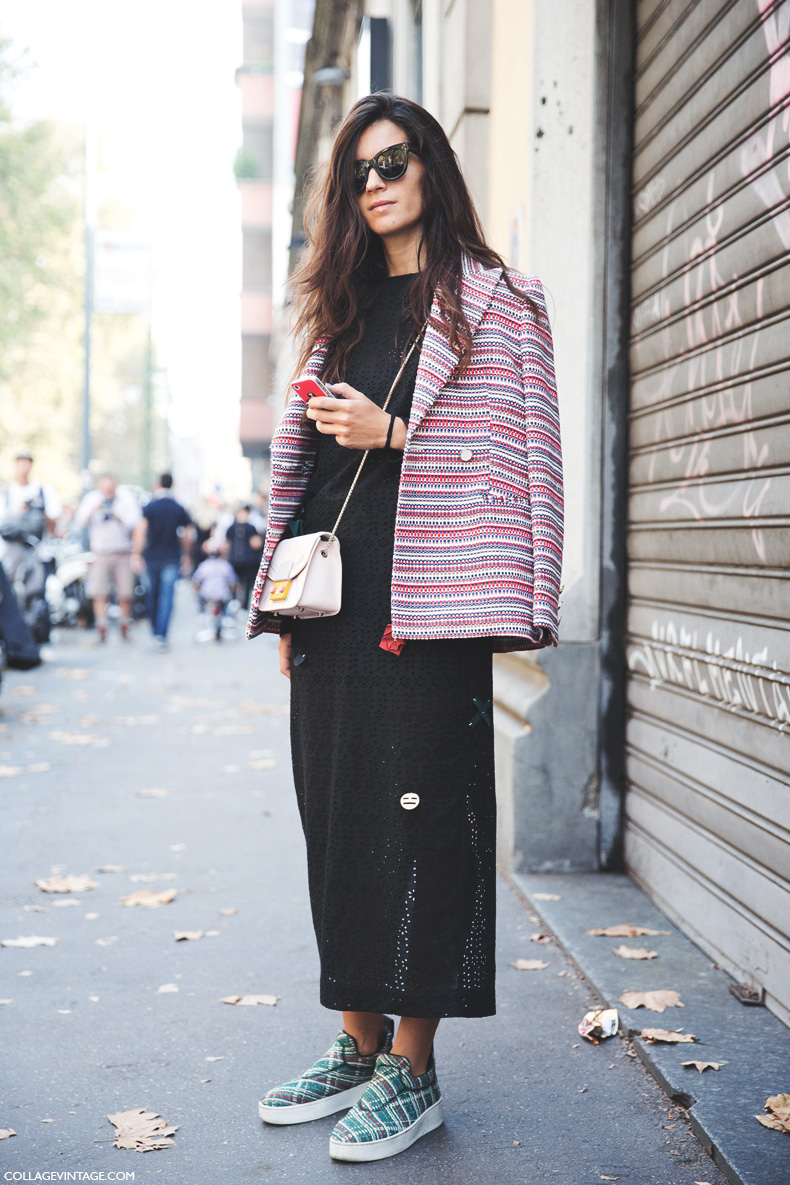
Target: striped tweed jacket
479,524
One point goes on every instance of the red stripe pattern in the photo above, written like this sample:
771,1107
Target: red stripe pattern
479,525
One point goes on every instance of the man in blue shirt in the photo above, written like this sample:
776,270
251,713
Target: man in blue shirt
160,540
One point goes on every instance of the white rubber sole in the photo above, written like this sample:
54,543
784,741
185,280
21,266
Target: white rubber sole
391,1145
305,1112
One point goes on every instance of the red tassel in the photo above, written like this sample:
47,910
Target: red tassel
393,645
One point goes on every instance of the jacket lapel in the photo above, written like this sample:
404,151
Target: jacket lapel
437,360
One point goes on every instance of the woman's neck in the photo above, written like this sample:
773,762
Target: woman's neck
402,253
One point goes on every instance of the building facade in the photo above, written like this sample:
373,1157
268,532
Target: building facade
635,157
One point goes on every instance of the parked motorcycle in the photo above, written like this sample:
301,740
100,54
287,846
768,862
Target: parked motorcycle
25,572
66,587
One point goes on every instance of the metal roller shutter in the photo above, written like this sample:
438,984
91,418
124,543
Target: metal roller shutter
707,829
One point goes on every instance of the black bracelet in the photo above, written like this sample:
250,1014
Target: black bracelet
389,430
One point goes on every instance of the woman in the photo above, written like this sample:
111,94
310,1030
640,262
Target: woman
451,549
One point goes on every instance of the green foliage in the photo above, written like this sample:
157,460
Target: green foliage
246,167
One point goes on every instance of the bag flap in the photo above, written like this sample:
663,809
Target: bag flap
291,556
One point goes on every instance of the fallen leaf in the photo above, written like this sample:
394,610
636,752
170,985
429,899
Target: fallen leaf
213,933
73,673
39,767
187,935
40,714
177,847
147,877
94,999
656,1000
46,1121
141,1130
11,771
778,1106
112,868
220,730
250,708
6,1001
227,913
34,908
66,884
626,930
69,901
91,917
263,763
667,1036
249,1000
6,1133
603,1178
85,739
634,952
64,1011
152,793
106,941
24,689
704,1065
32,940
546,896
529,965
538,937
88,721
150,898
218,1058
167,987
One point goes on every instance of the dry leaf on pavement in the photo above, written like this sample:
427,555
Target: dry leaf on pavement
66,884
146,877
626,930
538,937
263,763
249,1000
666,1036
107,941
152,793
73,673
11,771
112,868
150,898
24,689
634,952
546,896
86,739
31,940
187,935
6,1133
529,964
167,987
227,913
704,1065
778,1106
39,714
656,1001
141,1130
6,1001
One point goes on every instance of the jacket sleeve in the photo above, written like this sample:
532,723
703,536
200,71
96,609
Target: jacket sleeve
544,463
294,447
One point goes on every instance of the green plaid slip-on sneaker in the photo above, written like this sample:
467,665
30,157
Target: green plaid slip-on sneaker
336,1081
394,1111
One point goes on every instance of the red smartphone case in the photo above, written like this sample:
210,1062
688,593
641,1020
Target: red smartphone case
311,388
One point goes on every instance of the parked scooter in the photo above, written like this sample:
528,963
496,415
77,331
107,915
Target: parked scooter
66,588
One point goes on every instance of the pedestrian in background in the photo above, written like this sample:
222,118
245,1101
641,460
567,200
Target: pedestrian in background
160,549
245,546
215,583
110,513
451,549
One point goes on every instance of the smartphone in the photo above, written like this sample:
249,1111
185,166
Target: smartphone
312,388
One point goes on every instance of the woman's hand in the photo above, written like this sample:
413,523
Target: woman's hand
284,650
355,421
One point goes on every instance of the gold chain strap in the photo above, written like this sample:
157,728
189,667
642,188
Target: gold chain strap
403,366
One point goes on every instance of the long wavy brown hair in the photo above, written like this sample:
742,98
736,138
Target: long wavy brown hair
344,262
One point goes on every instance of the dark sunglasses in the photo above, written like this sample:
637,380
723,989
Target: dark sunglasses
390,164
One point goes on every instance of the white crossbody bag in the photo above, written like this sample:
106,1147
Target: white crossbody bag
305,575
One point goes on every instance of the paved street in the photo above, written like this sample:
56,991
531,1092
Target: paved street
88,1032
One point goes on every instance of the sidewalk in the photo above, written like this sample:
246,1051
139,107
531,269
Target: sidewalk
752,1043
88,1032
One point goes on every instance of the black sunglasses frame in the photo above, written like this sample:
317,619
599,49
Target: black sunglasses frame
360,183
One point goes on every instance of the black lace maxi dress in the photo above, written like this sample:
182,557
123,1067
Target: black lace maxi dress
403,901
